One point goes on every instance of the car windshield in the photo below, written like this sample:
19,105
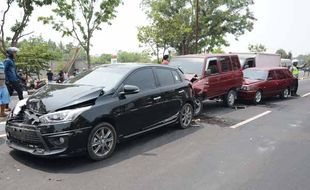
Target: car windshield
188,65
255,74
106,77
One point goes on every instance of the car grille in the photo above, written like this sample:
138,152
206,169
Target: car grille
22,135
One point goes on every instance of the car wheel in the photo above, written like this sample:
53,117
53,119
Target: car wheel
101,142
186,116
198,107
285,93
258,97
230,98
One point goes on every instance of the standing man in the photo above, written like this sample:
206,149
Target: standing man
294,70
165,60
11,76
50,76
4,94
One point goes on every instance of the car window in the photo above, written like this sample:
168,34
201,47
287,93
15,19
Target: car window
176,77
225,64
254,74
212,66
165,77
188,65
272,75
235,63
143,78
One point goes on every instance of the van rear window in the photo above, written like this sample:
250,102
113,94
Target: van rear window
188,65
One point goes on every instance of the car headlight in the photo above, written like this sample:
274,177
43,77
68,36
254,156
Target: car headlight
245,88
63,116
19,106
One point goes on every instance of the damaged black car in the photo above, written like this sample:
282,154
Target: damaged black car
94,111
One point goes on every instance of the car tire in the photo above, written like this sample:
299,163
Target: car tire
285,93
101,142
198,106
230,98
258,97
186,116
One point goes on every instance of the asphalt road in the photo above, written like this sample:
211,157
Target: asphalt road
270,152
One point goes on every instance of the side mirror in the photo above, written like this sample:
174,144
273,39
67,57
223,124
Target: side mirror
130,89
208,72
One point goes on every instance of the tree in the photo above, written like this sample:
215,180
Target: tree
284,55
173,23
132,57
35,55
18,28
81,18
257,48
102,59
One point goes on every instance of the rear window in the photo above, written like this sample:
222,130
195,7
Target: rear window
235,63
255,74
188,65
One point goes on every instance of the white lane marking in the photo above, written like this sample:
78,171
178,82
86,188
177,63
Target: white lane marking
249,120
3,135
305,95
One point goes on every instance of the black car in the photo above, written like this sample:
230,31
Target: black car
99,108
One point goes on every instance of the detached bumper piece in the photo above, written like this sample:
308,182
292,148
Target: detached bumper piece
29,140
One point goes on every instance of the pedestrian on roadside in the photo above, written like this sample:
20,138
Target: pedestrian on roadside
61,77
11,76
294,70
4,94
50,76
165,60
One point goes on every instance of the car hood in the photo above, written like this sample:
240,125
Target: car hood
251,81
53,97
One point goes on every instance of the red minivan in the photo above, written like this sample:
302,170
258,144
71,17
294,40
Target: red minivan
213,76
266,82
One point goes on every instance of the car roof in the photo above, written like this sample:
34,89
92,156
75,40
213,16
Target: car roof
267,68
203,55
133,66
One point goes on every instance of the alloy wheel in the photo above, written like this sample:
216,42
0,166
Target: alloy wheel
102,141
186,115
258,97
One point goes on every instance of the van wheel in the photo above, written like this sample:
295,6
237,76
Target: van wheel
258,97
101,142
230,98
285,93
186,116
198,107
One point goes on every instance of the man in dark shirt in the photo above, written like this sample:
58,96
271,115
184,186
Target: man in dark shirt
50,76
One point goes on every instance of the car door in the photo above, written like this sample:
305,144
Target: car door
138,111
270,87
212,78
281,79
172,91
226,80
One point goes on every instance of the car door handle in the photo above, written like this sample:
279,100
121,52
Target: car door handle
181,91
157,98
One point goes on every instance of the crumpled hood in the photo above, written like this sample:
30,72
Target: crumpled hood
251,81
56,96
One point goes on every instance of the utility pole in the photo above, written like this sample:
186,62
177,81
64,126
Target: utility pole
197,24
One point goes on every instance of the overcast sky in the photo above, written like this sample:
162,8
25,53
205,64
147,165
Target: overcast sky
280,24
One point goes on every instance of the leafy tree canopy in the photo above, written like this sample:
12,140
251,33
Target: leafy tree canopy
257,48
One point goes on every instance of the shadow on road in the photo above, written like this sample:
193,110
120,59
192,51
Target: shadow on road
141,145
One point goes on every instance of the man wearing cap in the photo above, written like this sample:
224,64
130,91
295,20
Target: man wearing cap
11,76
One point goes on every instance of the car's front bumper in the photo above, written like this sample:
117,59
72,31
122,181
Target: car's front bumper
30,139
246,95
